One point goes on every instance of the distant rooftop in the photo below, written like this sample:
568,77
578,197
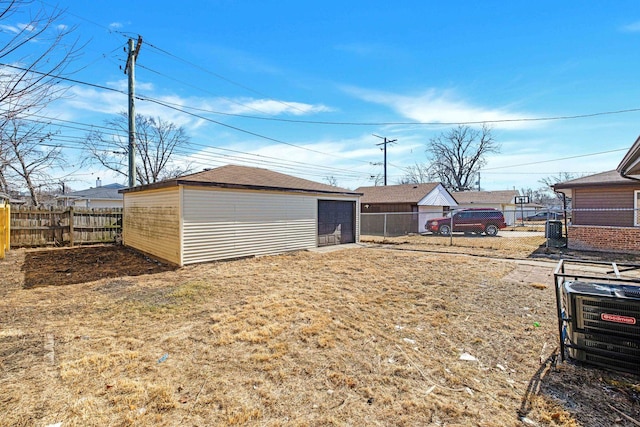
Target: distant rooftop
105,192
402,193
503,196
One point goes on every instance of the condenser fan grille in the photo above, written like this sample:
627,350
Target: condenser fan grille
603,325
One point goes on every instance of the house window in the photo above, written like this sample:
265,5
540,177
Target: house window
636,208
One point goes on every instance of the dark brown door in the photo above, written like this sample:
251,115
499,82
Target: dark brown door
336,222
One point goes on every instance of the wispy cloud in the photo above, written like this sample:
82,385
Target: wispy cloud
81,99
15,29
115,25
633,27
9,29
441,106
269,107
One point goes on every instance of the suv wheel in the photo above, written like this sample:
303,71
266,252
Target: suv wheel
445,230
491,230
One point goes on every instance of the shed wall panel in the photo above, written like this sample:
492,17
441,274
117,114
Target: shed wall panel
222,224
151,223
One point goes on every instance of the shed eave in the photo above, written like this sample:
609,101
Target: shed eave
179,182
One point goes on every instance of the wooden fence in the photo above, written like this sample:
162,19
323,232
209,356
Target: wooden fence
69,227
5,221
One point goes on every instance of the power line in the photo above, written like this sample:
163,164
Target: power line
556,160
240,85
268,138
203,90
259,159
68,79
155,101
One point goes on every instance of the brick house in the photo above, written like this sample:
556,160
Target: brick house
604,212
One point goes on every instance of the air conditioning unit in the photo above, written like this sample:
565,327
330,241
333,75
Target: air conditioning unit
599,318
603,324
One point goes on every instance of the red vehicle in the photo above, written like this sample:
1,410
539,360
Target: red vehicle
477,220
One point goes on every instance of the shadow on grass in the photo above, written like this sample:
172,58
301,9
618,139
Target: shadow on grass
67,266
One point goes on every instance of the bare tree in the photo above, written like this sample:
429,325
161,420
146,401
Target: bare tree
542,195
27,154
331,180
36,53
550,181
157,143
377,179
458,154
416,174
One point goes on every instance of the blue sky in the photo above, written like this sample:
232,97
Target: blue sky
365,62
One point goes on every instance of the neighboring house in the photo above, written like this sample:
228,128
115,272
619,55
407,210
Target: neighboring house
502,200
604,212
102,196
423,201
236,211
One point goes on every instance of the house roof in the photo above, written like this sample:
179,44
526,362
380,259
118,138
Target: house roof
105,192
504,197
403,193
244,177
630,164
599,179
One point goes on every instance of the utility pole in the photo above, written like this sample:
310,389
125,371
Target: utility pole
386,141
130,70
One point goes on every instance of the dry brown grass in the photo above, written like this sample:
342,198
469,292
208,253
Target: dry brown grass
499,247
352,337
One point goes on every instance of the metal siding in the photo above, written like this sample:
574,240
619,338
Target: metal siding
621,197
222,224
151,223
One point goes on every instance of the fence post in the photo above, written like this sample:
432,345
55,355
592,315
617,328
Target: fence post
451,229
384,232
3,228
71,226
7,228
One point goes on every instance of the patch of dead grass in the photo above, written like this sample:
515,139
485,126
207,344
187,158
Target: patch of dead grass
353,337
499,247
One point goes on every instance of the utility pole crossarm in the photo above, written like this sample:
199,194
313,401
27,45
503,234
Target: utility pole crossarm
386,141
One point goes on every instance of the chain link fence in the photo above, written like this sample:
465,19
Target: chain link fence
518,231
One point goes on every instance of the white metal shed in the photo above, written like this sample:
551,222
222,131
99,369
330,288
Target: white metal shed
236,211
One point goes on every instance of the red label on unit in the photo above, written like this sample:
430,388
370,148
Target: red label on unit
618,319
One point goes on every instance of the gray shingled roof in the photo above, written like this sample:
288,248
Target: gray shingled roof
604,178
244,177
502,196
105,192
403,193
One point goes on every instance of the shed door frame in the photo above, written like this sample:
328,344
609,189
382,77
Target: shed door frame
336,222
